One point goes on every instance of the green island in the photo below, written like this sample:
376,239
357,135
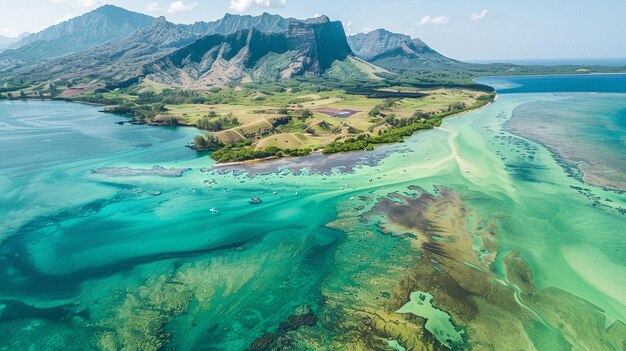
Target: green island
251,123
295,118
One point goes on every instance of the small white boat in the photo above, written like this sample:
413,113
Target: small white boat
297,192
214,210
255,200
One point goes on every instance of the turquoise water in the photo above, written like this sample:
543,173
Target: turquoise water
94,257
437,321
595,83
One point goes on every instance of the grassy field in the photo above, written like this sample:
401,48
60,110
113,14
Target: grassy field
258,112
148,85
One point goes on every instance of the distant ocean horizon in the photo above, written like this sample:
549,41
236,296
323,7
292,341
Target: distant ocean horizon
558,62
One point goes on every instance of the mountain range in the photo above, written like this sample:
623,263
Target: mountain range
105,24
113,45
393,50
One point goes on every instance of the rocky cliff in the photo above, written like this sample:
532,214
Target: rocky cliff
306,47
230,24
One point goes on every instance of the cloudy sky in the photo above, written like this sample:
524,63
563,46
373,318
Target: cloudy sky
462,29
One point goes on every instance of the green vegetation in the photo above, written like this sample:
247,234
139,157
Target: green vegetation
379,109
243,151
400,128
206,142
290,117
213,123
392,135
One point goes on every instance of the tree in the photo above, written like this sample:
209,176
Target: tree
199,142
22,94
305,114
206,142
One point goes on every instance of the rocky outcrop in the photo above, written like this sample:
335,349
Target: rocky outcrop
310,46
230,24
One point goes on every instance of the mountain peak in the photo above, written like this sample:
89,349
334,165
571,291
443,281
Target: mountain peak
104,24
161,20
110,10
108,7
318,20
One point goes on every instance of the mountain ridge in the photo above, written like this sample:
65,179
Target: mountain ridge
310,46
235,48
104,24
394,50
231,23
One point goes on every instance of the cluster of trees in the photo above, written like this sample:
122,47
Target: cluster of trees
244,151
165,120
99,98
292,120
304,114
207,142
456,107
214,123
385,105
299,114
145,113
392,135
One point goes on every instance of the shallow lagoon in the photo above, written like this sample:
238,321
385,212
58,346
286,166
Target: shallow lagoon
87,257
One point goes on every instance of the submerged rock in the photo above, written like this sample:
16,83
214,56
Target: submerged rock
135,172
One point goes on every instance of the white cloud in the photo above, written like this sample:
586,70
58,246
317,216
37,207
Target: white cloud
9,32
433,20
179,6
153,7
347,27
478,15
243,5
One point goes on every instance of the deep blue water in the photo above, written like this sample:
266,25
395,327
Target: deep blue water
560,62
589,83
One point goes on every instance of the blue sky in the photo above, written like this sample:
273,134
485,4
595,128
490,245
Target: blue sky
462,29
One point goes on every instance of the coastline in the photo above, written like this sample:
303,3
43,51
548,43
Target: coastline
361,277
274,158
549,75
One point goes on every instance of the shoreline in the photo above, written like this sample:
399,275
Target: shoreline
550,75
253,161
275,158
